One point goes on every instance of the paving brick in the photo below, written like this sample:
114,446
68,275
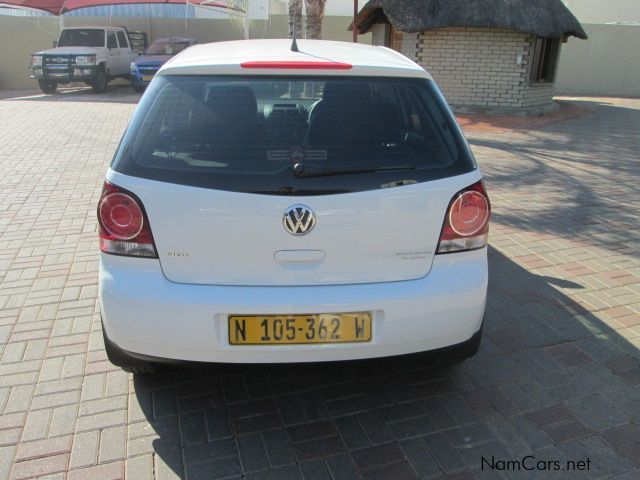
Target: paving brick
220,468
7,454
55,400
282,473
314,470
39,467
445,454
375,428
43,448
351,432
193,428
10,437
395,471
622,435
342,467
557,373
139,468
548,415
378,455
312,431
209,451
468,435
252,453
218,424
112,444
101,420
63,420
277,448
108,471
164,403
37,425
566,430
85,450
631,453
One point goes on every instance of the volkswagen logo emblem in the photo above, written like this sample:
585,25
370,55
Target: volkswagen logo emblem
298,219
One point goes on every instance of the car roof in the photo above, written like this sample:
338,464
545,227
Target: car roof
94,27
174,39
274,57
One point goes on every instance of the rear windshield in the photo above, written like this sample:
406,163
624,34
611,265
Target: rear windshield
292,136
89,37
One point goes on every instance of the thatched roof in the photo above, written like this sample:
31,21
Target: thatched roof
545,18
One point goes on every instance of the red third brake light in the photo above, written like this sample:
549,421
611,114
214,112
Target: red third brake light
466,223
293,65
124,227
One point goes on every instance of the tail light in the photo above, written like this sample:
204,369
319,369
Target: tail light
124,227
466,224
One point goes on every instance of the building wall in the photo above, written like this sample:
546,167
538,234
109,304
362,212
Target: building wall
538,94
410,43
482,67
604,65
379,34
605,11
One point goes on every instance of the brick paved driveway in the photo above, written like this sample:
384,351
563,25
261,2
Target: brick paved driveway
558,376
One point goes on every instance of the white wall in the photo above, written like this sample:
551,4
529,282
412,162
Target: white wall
342,7
604,11
606,64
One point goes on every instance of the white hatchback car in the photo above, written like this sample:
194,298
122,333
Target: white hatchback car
267,205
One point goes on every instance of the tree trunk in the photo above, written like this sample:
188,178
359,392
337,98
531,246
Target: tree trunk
315,15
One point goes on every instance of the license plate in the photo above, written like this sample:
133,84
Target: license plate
147,78
299,329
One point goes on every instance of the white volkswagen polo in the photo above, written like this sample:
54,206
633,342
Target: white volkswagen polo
268,205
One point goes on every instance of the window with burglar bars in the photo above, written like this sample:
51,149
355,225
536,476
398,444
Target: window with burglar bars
545,58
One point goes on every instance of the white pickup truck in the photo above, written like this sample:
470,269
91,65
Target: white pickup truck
93,55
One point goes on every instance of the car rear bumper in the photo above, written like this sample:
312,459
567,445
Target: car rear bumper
146,314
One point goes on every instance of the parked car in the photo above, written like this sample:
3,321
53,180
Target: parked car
238,225
93,55
157,54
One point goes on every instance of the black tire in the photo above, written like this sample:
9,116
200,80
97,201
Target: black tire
138,88
47,86
127,362
99,82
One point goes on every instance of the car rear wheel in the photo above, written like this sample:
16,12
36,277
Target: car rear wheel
47,86
126,362
99,83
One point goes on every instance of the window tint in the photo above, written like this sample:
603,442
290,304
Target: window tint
76,37
111,40
346,134
122,39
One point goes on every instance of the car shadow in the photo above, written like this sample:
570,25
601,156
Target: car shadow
551,379
560,170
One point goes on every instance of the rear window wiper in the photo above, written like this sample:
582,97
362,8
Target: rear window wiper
301,171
